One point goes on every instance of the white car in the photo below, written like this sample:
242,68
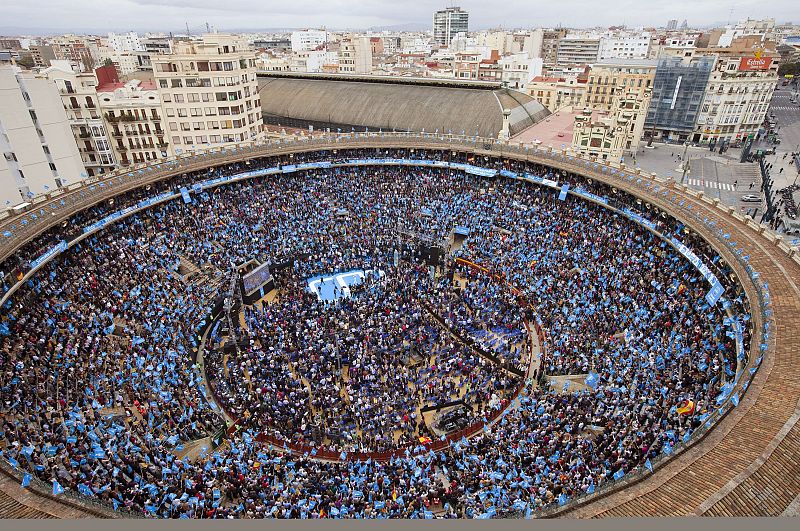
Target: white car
751,198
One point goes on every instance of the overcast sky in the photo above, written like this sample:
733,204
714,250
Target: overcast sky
44,16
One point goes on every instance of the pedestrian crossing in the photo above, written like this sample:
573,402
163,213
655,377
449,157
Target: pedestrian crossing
698,183
785,108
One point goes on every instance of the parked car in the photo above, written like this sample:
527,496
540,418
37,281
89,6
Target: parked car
751,198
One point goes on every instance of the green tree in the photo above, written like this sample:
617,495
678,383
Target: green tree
789,68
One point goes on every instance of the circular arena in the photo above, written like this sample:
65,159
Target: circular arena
394,326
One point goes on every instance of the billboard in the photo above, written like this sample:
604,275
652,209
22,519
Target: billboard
755,63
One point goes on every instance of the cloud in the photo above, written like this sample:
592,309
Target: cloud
165,15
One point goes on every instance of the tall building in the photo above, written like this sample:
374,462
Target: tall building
608,80
306,40
449,22
678,89
209,92
133,116
39,151
355,55
739,91
623,45
549,47
672,24
578,49
125,42
79,98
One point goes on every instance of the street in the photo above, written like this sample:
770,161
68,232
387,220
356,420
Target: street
723,176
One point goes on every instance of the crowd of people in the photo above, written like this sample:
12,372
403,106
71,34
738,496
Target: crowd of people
100,391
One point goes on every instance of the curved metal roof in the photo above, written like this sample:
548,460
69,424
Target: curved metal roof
395,106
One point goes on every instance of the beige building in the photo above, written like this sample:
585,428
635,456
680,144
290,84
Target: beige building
38,149
209,93
612,135
79,97
738,92
133,114
557,92
355,55
609,79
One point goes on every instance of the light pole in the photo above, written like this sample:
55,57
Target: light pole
683,167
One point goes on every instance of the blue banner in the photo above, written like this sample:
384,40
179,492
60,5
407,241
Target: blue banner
58,249
563,194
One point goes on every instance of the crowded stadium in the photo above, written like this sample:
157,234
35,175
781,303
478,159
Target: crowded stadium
368,326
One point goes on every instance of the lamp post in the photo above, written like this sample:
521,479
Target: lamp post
683,167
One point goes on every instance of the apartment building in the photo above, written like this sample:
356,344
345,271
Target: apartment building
557,92
308,40
624,45
78,92
355,55
42,55
448,23
133,116
39,152
611,78
467,64
312,61
209,92
519,69
578,49
125,42
75,49
739,90
549,46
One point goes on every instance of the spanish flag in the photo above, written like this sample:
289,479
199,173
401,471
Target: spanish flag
425,440
394,493
685,407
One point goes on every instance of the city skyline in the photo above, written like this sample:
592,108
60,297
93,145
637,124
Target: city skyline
92,16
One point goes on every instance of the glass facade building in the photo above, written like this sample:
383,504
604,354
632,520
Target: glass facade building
678,90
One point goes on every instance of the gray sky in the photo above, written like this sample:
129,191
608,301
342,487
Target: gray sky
43,16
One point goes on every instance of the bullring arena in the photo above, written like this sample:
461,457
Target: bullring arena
398,326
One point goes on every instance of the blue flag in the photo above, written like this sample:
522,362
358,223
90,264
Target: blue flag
26,479
57,488
648,465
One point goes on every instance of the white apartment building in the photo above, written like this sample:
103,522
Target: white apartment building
38,150
209,92
79,98
125,42
738,92
577,49
619,45
313,61
133,117
308,40
519,69
355,55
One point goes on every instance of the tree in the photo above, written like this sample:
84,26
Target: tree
789,68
